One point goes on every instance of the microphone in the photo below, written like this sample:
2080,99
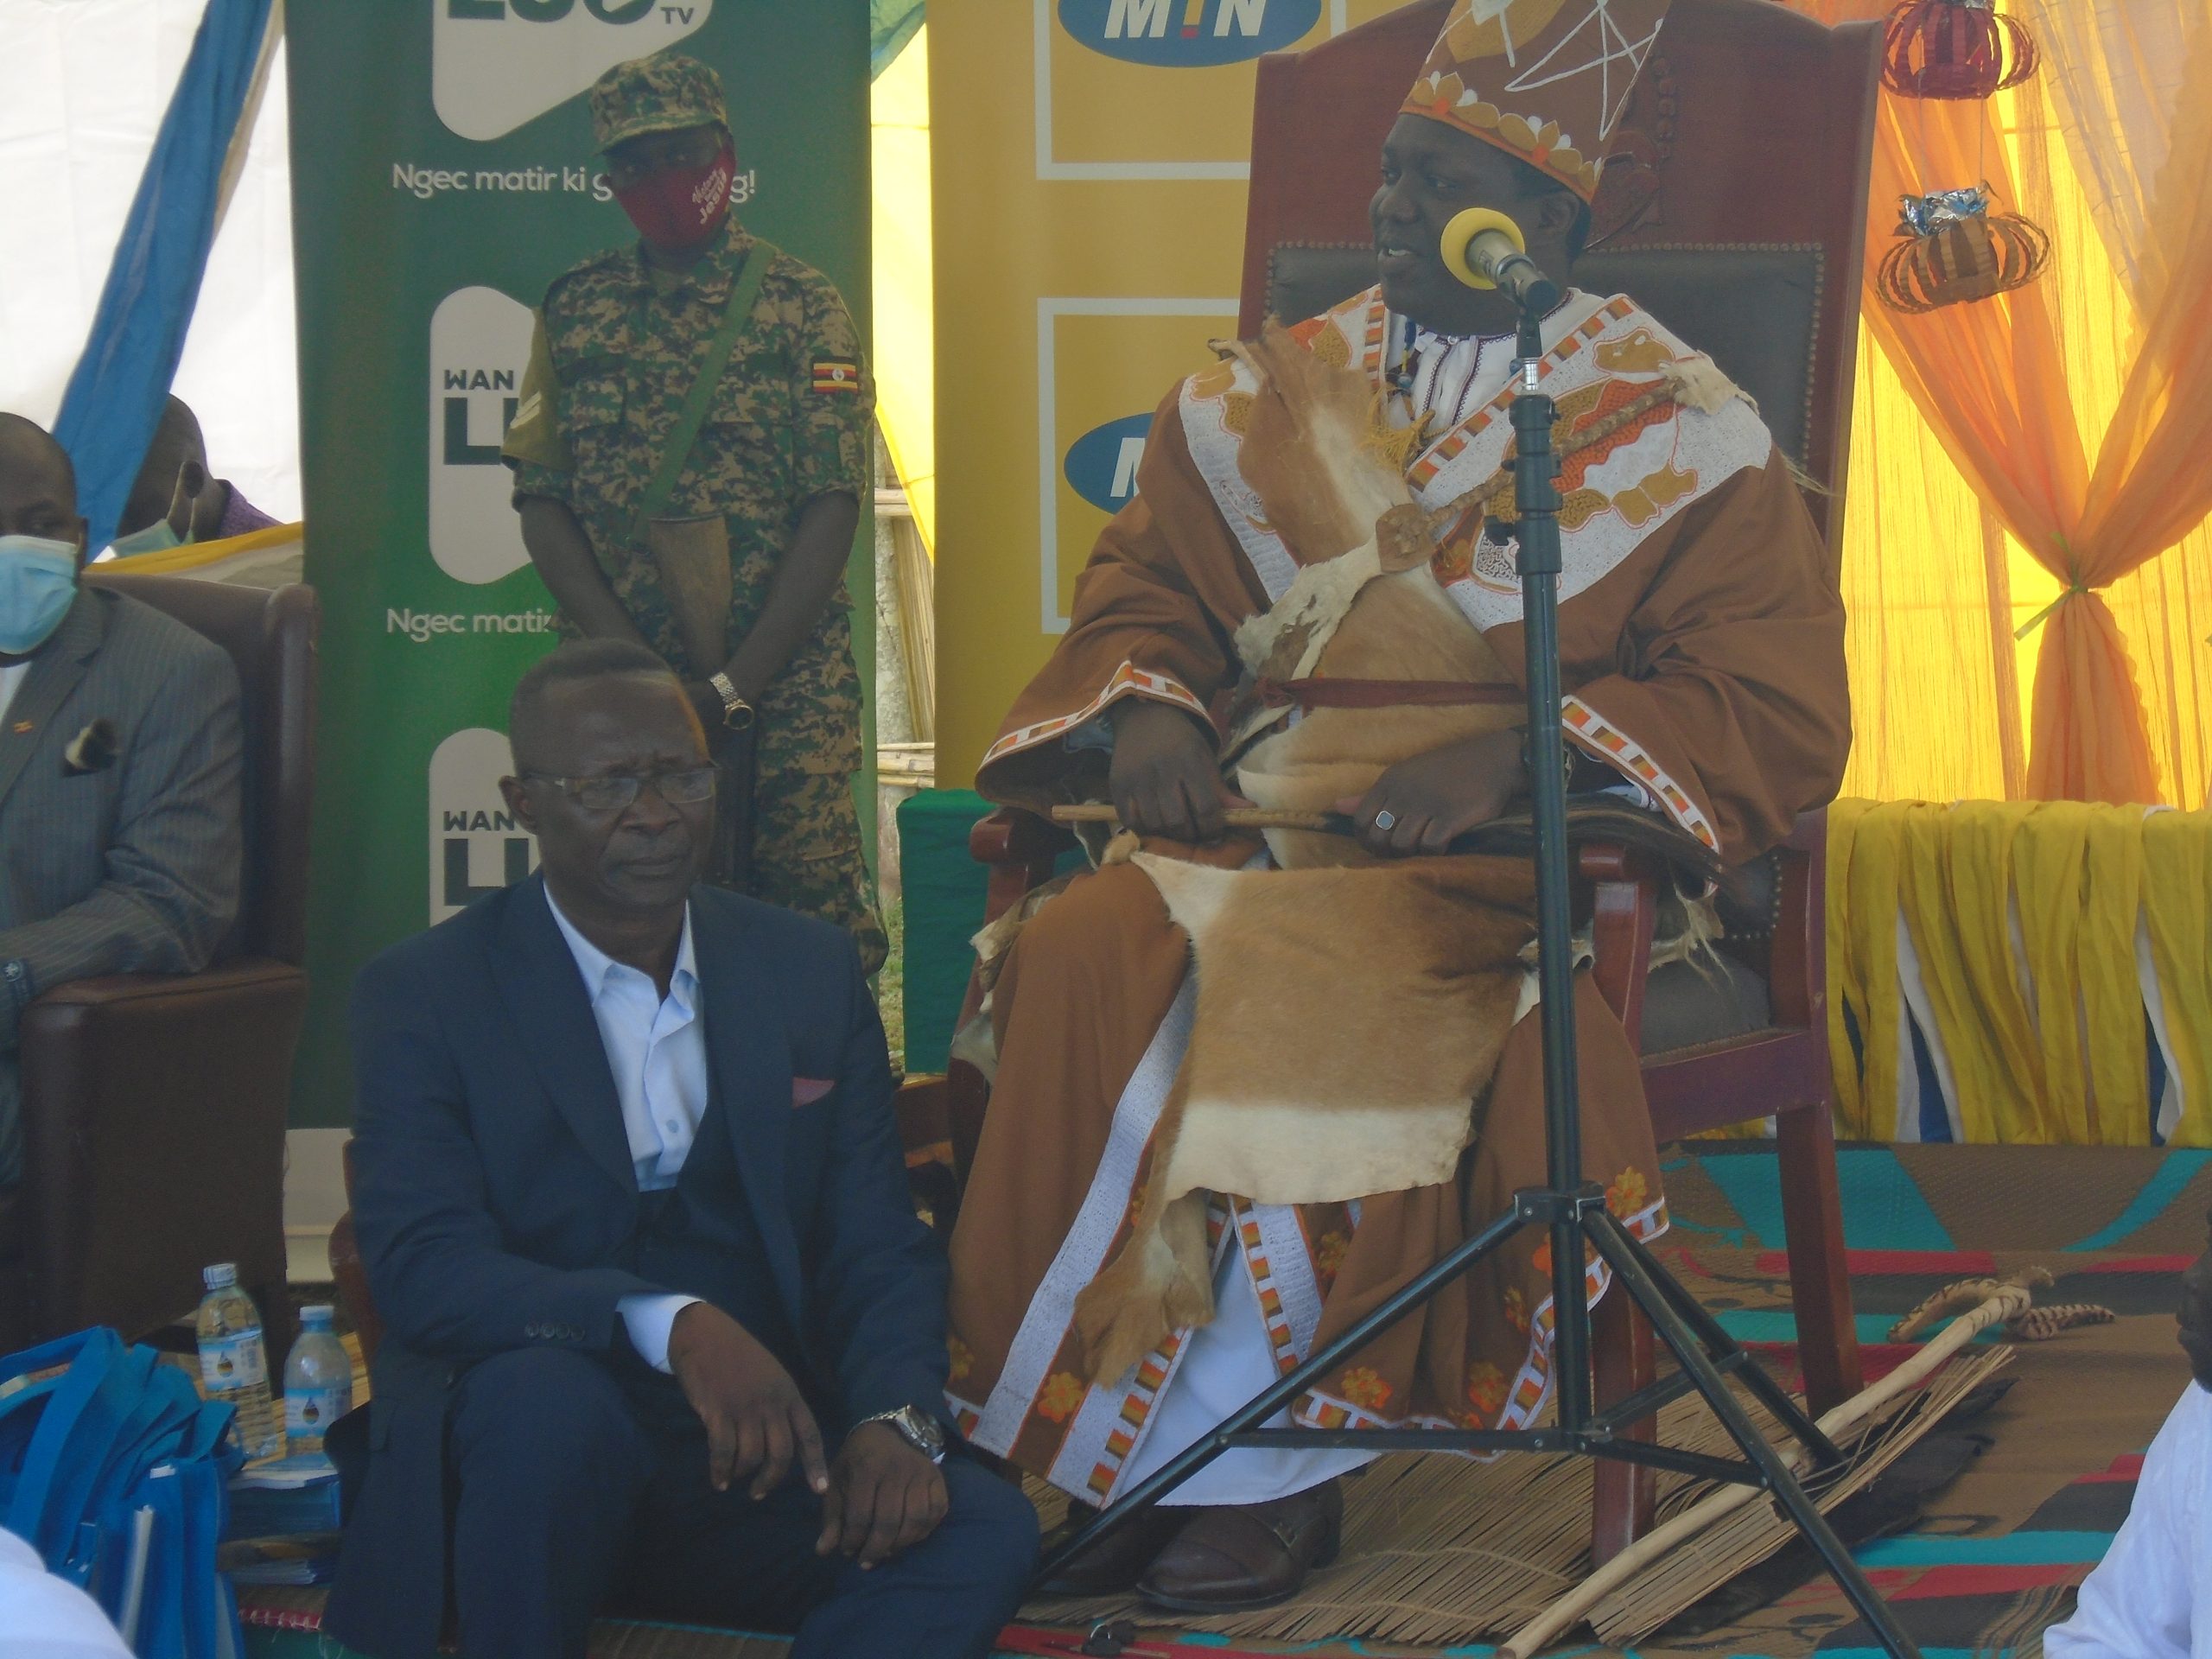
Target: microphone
1484,249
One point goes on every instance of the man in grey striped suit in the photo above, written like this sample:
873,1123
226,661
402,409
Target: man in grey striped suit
119,763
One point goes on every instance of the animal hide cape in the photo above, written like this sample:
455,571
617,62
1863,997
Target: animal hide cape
1375,611
1363,606
1347,1024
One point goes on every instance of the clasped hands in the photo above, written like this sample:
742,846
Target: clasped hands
879,1496
1165,781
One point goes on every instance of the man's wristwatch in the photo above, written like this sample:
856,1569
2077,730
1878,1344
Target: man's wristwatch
737,713
918,1428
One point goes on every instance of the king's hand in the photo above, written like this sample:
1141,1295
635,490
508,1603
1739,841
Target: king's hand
1423,804
1164,780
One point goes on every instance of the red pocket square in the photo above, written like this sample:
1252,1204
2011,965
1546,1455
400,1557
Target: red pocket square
806,1090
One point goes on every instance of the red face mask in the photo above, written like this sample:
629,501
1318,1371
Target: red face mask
681,206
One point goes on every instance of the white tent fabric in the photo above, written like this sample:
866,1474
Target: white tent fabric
88,81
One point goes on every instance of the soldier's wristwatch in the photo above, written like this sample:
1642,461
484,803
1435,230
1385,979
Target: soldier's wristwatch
918,1429
737,713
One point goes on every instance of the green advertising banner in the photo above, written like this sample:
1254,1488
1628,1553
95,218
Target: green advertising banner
443,175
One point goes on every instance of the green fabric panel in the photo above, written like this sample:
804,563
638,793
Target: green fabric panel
944,898
944,890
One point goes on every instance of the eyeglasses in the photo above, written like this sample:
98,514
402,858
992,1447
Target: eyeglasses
615,791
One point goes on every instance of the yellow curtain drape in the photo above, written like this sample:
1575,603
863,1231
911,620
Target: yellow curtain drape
2042,930
1958,875
1865,843
2177,872
2013,389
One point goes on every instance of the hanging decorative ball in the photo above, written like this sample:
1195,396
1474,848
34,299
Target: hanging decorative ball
1952,248
1954,48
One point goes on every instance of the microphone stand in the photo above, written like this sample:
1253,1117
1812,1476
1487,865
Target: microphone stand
1570,1207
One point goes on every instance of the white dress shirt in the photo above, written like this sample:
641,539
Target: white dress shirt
657,1049
42,1617
1447,377
2151,1598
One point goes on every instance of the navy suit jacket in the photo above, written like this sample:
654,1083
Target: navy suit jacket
494,1191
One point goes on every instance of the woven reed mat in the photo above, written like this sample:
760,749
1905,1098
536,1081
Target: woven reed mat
1441,1550
285,1623
2116,1223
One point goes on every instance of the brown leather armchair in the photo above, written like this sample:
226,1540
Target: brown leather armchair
154,1106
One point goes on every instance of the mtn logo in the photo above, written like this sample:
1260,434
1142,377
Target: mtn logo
495,64
1187,34
1101,465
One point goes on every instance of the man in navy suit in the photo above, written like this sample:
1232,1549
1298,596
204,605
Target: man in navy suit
664,1332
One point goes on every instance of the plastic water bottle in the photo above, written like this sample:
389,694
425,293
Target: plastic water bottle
318,1383
234,1361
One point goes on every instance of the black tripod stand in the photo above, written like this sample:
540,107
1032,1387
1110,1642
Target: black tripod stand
1572,1209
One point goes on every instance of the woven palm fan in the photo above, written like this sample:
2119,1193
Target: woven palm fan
1714,1534
1952,248
1955,49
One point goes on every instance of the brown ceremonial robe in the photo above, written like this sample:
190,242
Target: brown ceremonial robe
1702,652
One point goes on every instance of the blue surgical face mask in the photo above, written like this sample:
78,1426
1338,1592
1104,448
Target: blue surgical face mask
38,584
156,538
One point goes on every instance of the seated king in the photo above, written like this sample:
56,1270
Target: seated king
1190,1177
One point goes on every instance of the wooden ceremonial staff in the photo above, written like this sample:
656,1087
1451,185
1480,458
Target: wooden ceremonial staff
1237,818
1508,837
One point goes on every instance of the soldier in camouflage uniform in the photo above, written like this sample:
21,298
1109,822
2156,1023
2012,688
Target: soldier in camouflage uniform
782,456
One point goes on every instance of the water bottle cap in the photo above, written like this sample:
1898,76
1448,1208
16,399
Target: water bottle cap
317,1316
221,1274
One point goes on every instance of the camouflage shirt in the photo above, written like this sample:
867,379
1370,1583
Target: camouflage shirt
616,347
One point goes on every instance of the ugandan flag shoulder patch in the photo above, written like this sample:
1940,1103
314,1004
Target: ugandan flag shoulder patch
837,374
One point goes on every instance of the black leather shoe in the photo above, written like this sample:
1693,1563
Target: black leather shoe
1116,1562
1227,1560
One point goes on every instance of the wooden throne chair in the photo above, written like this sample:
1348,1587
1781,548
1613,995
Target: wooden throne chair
1736,214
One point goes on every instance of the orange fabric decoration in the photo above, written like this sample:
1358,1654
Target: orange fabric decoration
1991,378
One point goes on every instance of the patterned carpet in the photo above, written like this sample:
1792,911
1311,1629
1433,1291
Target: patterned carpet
1988,1561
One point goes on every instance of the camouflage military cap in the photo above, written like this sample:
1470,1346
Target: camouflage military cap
657,94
